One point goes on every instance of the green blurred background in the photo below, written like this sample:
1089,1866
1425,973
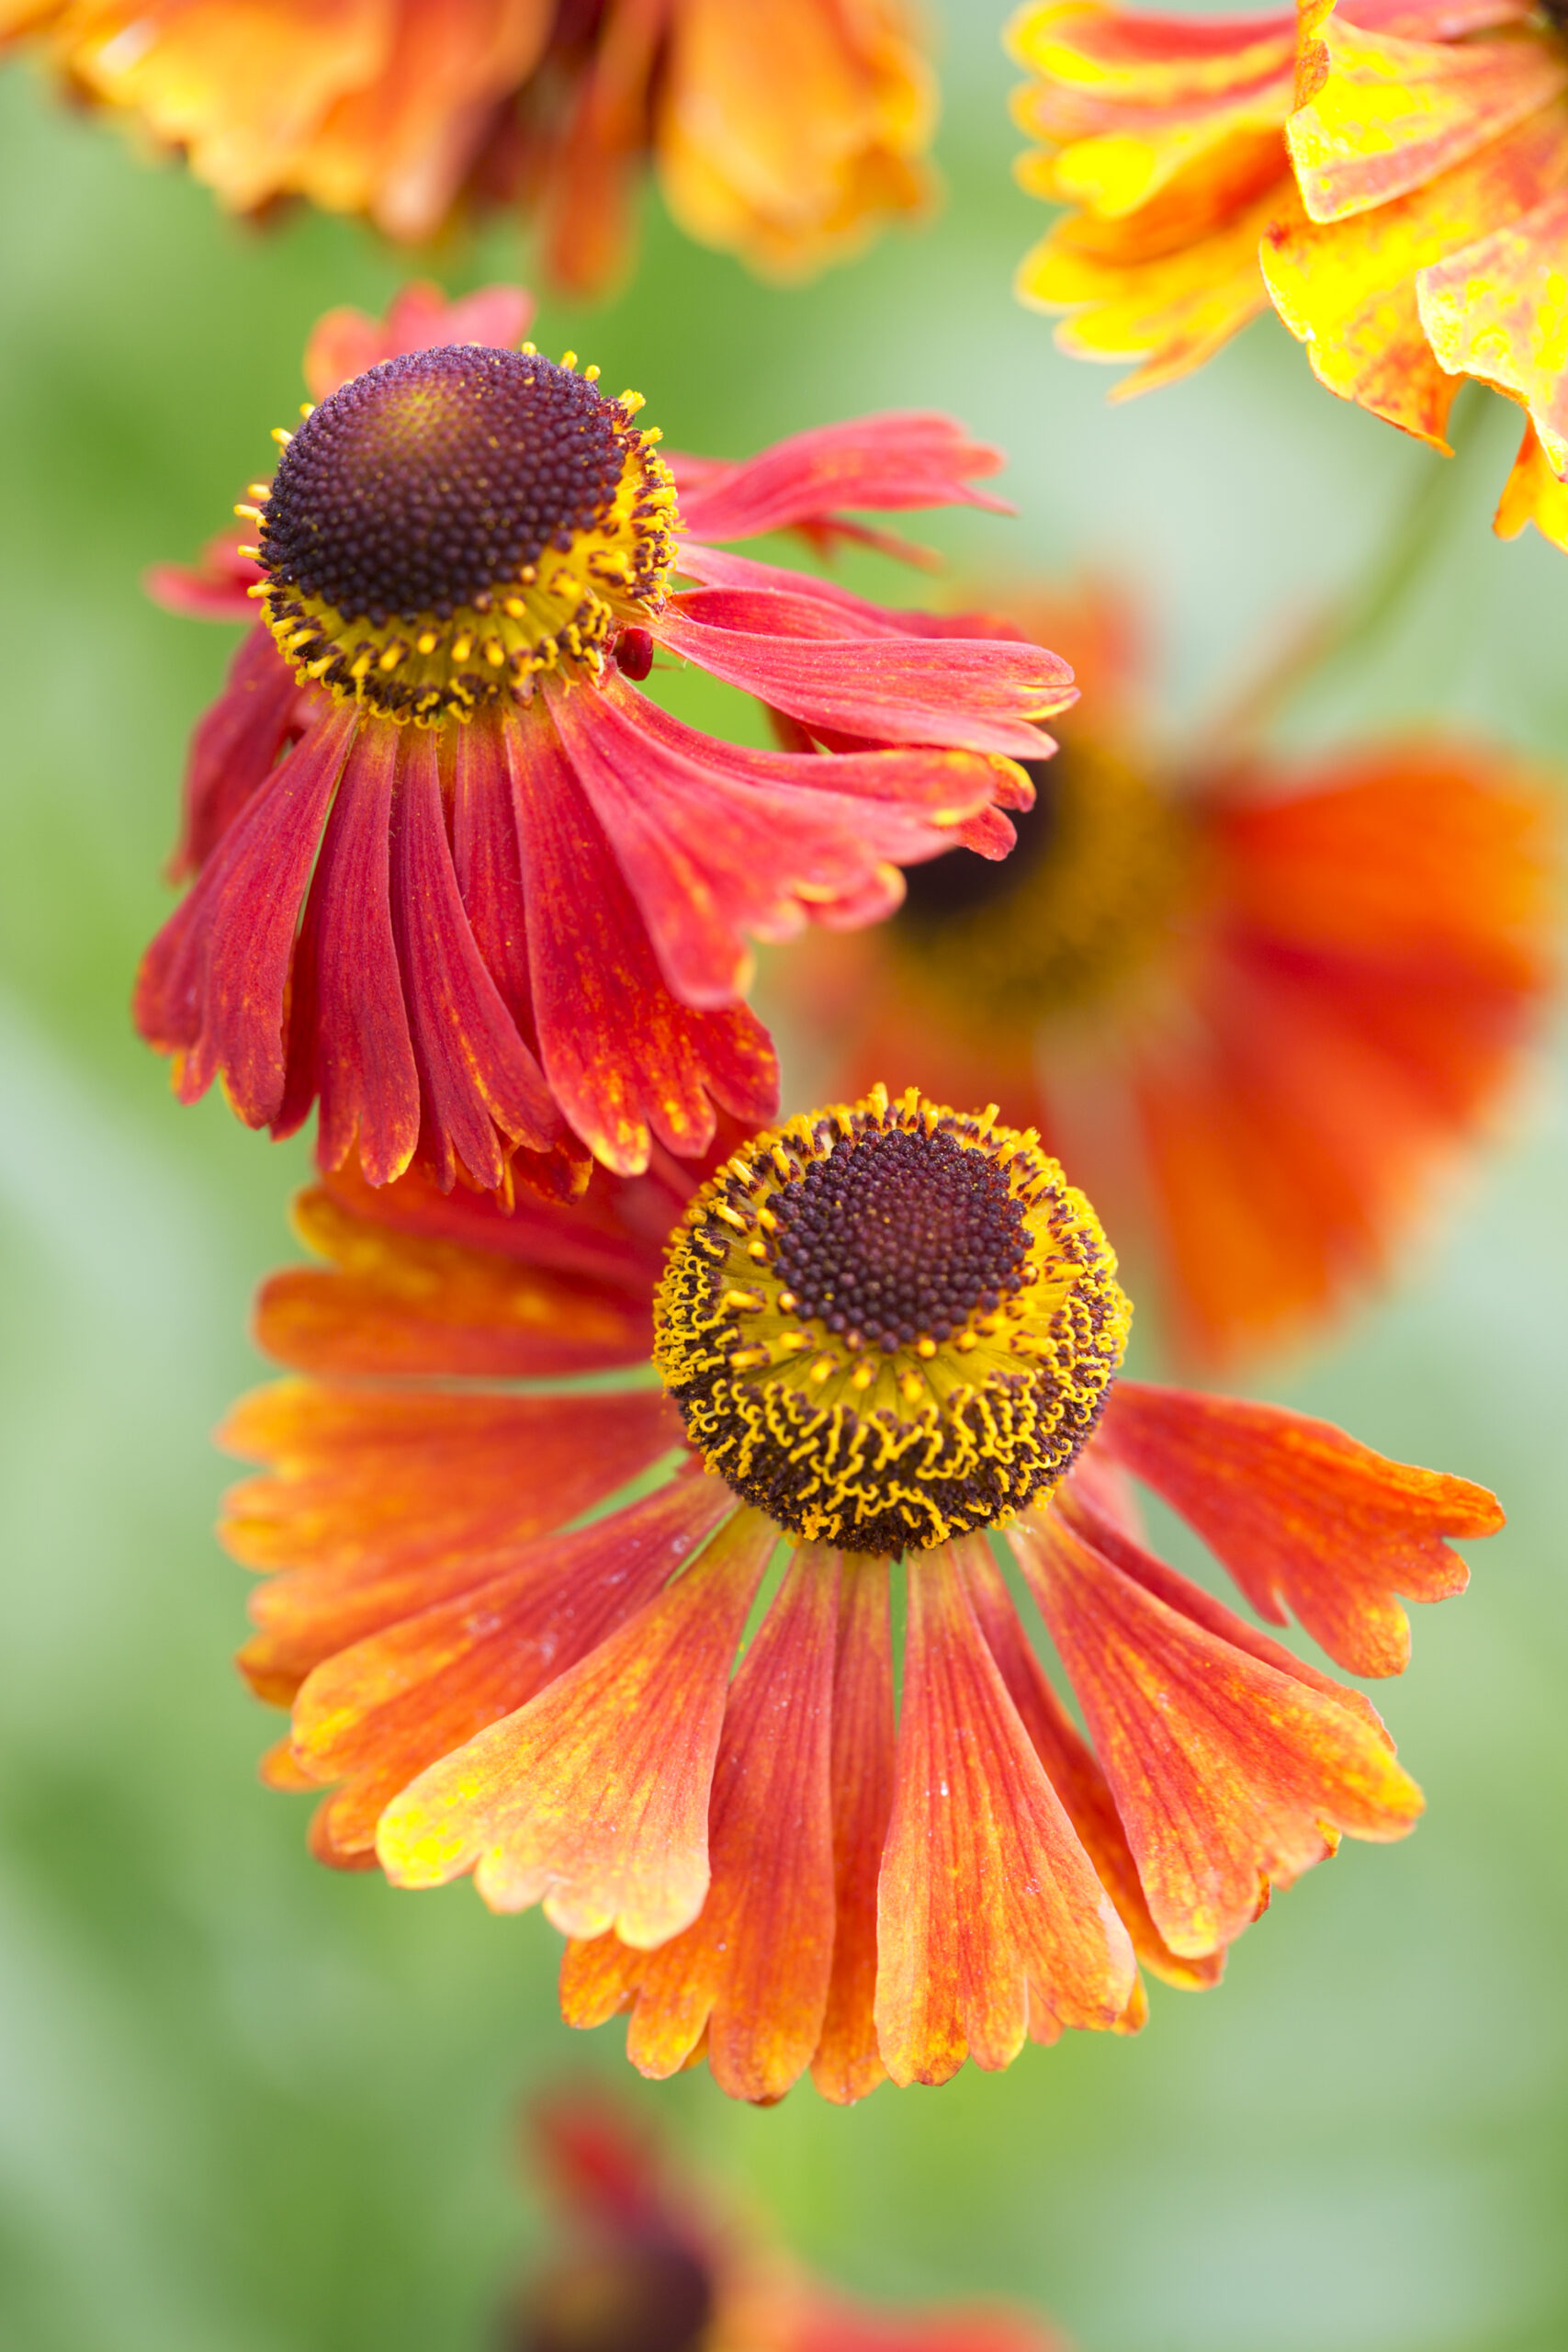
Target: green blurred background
249,2107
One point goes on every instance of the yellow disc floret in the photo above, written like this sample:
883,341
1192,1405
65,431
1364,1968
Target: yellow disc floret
449,523
889,1323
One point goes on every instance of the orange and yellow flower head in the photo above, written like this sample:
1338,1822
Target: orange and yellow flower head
505,1606
455,878
1391,179
1263,1006
788,132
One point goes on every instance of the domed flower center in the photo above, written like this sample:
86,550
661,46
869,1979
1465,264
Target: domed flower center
450,523
1082,902
890,1323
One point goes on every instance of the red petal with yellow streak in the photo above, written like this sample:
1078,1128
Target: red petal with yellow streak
848,2062
1306,1520
593,1798
751,1972
1229,1776
348,1029
625,1059
213,985
988,1904
376,1714
1072,1770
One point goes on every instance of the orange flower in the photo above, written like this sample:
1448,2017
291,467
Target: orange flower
454,878
885,1327
1400,179
1260,1006
786,134
644,2258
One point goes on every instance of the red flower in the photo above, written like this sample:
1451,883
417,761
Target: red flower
645,2259
886,1328
1260,1006
456,878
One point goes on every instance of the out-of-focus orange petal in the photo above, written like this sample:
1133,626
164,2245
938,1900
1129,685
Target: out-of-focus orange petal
1498,309
989,1909
1390,114
1073,1771
379,1712
1348,288
593,1798
400,1304
788,131
848,2062
1230,1777
1533,493
751,1972
346,342
1306,1520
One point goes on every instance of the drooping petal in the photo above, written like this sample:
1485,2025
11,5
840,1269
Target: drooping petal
379,1711
1349,289
1389,115
1229,1776
348,1031
963,692
234,746
1533,493
476,1075
902,459
213,985
750,1976
487,857
717,841
397,1304
1073,1771
378,1503
625,1059
1306,1520
1498,309
987,1904
215,588
593,1798
848,2062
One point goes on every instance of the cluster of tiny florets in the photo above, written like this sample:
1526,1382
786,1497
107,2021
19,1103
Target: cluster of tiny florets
899,1238
436,478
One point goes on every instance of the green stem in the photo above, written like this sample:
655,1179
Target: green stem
1351,628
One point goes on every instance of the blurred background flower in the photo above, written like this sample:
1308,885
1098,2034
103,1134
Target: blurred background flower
251,2108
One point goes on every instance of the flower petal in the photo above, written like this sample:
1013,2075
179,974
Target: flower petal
376,1714
1229,1776
848,2062
1498,309
901,459
965,691
1390,114
622,1055
1074,1772
399,1304
476,1075
1305,1518
213,984
348,1030
346,342
595,1796
988,1904
1533,493
752,1972
234,747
